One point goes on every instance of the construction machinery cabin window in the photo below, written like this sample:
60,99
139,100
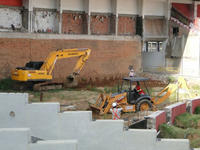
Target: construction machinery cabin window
153,46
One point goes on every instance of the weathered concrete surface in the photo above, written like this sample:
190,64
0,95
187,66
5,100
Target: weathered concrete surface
45,21
108,59
10,16
47,123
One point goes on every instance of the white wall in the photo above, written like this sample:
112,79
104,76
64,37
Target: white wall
44,20
49,4
154,7
102,6
127,7
10,16
76,5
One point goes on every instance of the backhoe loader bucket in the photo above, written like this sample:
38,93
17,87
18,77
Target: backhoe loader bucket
102,105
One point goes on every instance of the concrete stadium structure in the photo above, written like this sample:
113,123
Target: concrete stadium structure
21,122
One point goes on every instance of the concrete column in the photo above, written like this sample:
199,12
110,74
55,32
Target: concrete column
30,21
60,23
89,22
195,9
116,25
59,9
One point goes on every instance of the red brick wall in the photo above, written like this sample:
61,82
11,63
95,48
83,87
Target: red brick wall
109,59
100,24
178,110
195,103
160,119
11,2
198,10
126,25
74,23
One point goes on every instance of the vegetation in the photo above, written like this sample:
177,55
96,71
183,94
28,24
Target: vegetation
187,120
186,126
6,84
197,110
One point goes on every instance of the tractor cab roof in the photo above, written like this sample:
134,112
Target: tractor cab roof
135,79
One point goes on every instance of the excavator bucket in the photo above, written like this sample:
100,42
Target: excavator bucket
102,105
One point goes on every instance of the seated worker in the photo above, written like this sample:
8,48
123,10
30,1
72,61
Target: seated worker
138,89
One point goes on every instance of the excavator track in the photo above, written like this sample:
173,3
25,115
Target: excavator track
47,86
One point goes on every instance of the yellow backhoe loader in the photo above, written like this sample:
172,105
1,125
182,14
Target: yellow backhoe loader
36,74
131,100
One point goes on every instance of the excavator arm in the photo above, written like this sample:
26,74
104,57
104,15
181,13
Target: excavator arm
50,62
168,90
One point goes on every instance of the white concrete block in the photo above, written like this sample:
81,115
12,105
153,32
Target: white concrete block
55,145
173,144
139,139
14,139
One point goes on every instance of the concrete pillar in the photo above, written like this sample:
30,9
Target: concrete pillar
116,24
89,22
195,9
30,21
60,23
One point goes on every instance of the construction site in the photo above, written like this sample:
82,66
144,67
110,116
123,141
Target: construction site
99,74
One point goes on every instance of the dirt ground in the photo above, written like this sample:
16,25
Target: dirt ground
81,98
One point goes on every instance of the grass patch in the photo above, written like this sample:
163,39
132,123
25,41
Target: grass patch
171,131
197,110
168,131
113,89
94,89
195,143
187,120
6,84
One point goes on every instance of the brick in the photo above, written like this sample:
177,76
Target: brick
108,58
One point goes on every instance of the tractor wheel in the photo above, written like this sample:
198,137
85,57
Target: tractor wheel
144,105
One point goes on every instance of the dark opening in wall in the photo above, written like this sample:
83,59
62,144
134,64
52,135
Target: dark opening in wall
175,31
139,25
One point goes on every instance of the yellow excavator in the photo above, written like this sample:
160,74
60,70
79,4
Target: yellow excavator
131,99
38,74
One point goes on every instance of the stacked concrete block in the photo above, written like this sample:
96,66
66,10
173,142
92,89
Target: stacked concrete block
155,119
168,144
19,139
47,123
55,145
175,110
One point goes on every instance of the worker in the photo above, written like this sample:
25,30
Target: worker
116,112
138,89
131,73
